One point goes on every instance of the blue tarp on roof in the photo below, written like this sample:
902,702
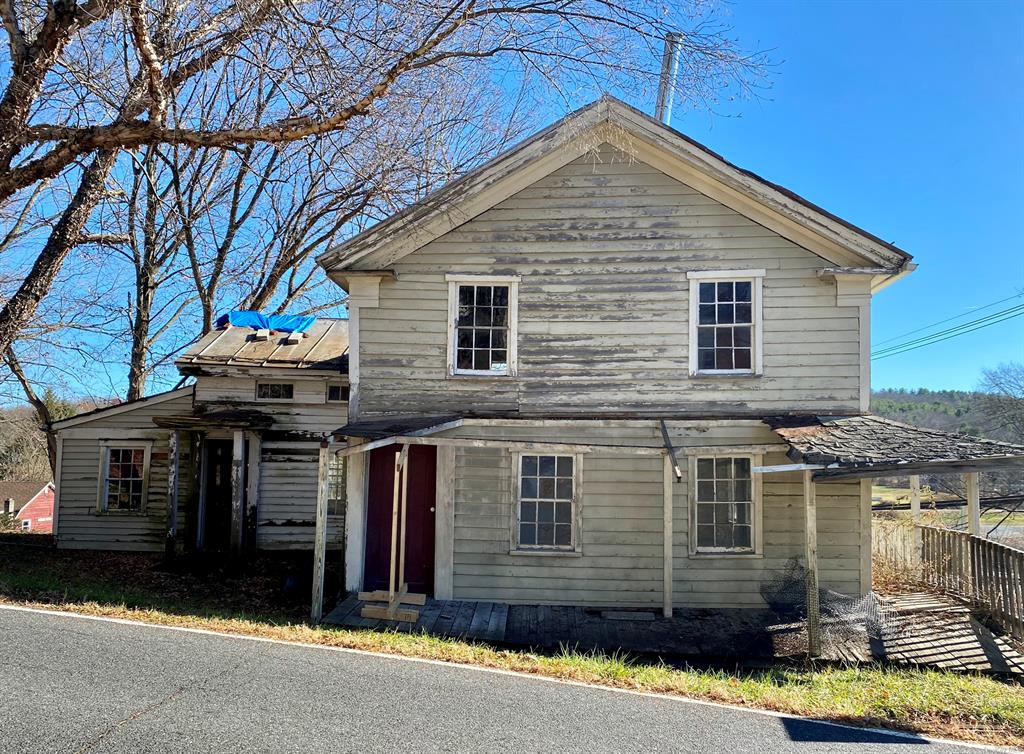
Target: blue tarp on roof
260,321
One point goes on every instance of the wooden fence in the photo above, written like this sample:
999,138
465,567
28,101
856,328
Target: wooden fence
987,573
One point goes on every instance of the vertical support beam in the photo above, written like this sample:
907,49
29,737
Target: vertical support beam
915,518
201,489
320,540
811,557
57,485
355,519
237,492
404,504
973,503
444,525
173,475
396,494
667,528
353,358
865,536
252,490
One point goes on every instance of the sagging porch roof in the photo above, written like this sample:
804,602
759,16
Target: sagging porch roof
217,419
392,426
870,446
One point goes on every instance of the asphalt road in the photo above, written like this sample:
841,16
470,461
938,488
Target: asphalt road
69,684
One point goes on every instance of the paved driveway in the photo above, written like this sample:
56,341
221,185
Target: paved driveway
71,684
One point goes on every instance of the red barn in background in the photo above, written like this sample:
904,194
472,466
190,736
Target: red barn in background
31,503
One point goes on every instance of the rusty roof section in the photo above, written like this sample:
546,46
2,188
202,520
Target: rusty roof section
850,442
324,346
392,426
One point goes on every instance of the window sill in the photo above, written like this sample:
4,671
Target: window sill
726,555
548,553
726,375
495,376
118,513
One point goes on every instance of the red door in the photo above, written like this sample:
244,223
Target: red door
419,521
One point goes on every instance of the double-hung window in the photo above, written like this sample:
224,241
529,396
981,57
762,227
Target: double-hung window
725,322
726,505
482,327
124,477
547,503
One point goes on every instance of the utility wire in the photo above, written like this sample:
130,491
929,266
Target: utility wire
964,326
950,319
947,337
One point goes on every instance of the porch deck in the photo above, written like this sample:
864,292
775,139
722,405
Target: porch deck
915,629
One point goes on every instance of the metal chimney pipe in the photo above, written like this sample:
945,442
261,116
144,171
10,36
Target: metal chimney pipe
669,71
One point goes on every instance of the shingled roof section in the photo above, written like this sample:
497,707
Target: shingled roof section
853,442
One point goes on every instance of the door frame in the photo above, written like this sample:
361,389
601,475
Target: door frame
249,453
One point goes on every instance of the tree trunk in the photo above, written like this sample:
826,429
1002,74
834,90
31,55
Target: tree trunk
41,409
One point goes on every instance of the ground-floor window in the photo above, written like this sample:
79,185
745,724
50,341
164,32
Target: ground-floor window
336,486
726,505
26,525
547,503
125,473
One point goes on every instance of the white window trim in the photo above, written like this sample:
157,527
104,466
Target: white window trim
512,281
101,491
575,548
756,513
754,277
26,524
256,391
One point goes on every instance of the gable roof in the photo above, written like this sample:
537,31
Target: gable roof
120,408
324,346
21,492
611,120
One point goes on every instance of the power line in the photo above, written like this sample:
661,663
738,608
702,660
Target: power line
950,319
953,335
947,331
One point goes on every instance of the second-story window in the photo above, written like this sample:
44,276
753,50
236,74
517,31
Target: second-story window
275,391
482,331
725,322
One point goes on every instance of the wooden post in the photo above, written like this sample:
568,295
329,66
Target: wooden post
444,525
237,492
395,499
811,557
973,503
320,540
669,468
404,460
201,452
915,517
252,491
355,519
173,473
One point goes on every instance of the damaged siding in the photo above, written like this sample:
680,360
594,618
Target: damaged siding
79,523
289,453
622,524
603,250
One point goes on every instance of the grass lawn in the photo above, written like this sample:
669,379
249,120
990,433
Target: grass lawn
269,602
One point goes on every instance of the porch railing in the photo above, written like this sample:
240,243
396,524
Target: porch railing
987,573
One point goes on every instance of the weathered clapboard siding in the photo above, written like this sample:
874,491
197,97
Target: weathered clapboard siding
288,452
603,250
80,524
622,518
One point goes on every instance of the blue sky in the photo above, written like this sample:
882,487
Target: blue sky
908,120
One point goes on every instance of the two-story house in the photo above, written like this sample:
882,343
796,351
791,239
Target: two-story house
614,367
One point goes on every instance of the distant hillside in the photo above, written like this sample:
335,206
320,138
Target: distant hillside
950,410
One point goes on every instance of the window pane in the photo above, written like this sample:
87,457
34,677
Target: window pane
527,512
707,293
705,490
723,337
482,360
743,291
563,489
547,488
705,514
529,465
706,468
500,295
547,465
499,317
723,358
723,535
742,513
741,358
465,359
741,337
527,534
482,339
743,313
483,295
466,295
725,315
706,314
723,468
742,468
529,487
706,358
546,534
705,337
705,536
741,536
563,535
545,512
742,489
725,291
563,513
564,465
499,339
